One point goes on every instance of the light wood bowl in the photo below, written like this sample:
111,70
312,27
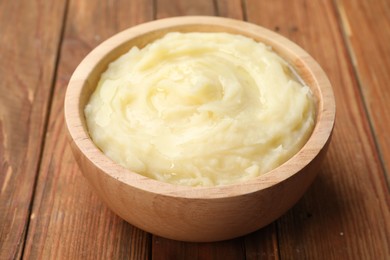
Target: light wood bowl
202,213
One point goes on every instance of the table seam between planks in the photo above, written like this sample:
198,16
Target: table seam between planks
46,123
344,29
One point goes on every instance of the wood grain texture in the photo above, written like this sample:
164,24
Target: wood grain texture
345,213
262,244
68,221
169,8
366,27
229,8
169,249
28,55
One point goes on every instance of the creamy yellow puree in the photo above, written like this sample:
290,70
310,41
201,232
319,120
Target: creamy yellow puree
200,109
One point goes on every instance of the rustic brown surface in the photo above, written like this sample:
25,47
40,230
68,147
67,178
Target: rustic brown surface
28,51
170,249
345,214
366,28
65,208
168,8
229,8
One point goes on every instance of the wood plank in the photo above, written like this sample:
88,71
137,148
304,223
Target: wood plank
230,8
262,244
68,220
345,213
28,56
366,27
170,249
225,8
169,8
233,249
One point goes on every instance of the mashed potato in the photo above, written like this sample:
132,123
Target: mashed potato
200,109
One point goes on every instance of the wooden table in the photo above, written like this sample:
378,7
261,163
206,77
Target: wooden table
47,209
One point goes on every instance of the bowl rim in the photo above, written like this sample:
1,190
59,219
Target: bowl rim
316,142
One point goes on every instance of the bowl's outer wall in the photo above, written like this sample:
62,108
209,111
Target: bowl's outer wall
198,220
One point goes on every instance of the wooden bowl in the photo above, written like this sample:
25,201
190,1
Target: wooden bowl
197,213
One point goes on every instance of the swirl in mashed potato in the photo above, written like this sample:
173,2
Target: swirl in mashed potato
200,109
